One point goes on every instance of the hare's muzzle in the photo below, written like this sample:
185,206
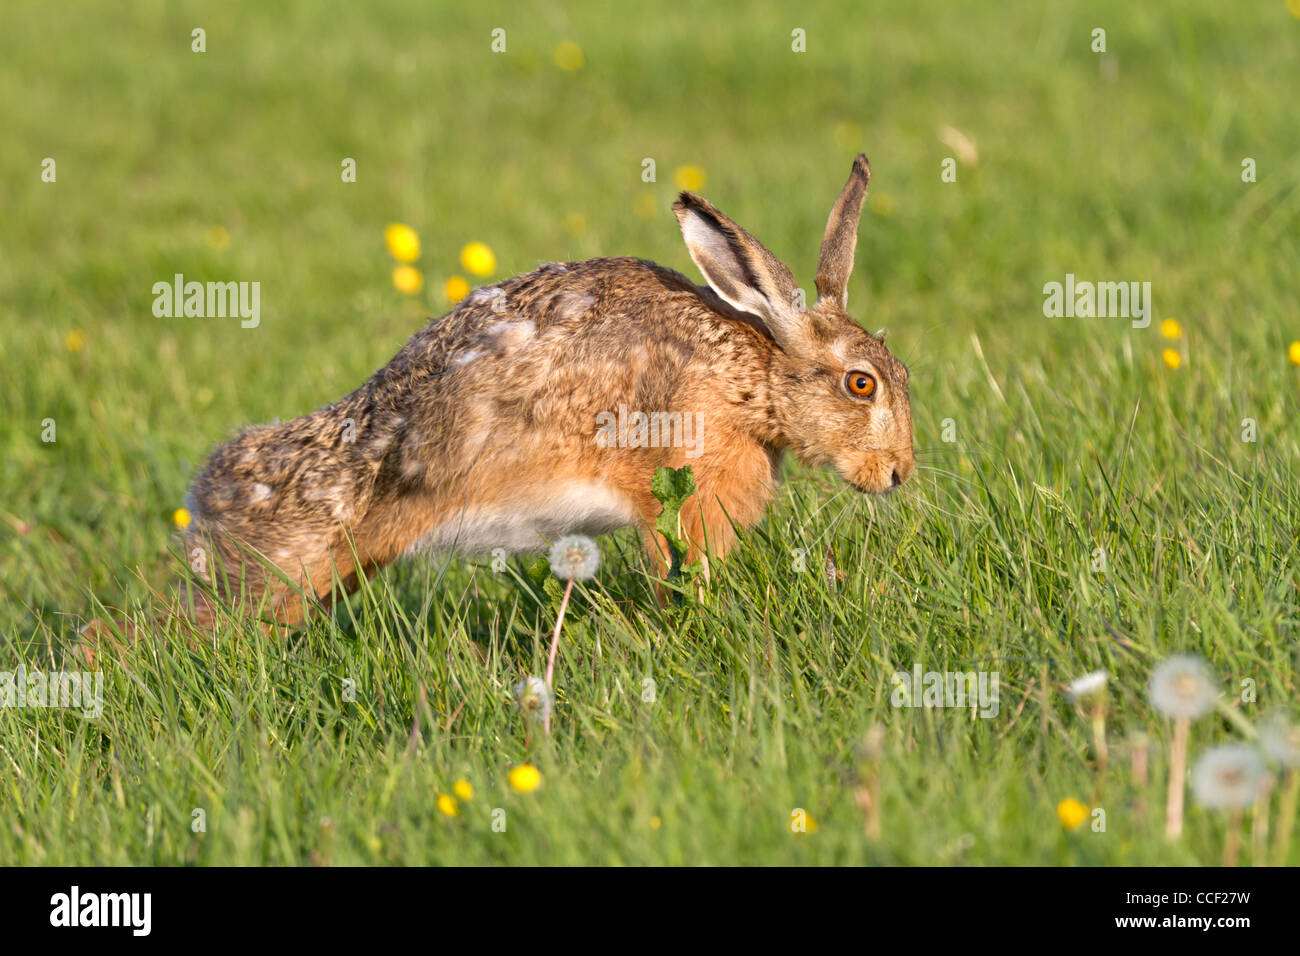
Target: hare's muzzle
884,471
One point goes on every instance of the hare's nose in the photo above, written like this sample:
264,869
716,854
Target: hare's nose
897,480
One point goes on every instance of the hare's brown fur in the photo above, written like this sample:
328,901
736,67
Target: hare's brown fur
480,432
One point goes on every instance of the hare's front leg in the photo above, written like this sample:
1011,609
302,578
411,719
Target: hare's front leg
700,545
732,488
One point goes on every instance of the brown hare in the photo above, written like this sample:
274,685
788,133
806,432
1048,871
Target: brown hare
492,427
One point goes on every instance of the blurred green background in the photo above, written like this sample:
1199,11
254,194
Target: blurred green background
225,165
1135,176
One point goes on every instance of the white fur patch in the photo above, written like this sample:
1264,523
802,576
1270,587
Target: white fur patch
337,499
574,305
572,508
462,359
260,493
510,335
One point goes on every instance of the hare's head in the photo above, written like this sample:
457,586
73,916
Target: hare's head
840,396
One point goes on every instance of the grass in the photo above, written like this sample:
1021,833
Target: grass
1071,434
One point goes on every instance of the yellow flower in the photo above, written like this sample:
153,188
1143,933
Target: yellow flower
883,204
1170,329
462,789
408,280
568,56
645,206
403,242
1071,813
75,341
448,805
690,178
1293,350
181,518
525,778
1171,358
655,823
477,258
575,223
218,238
455,289
1293,8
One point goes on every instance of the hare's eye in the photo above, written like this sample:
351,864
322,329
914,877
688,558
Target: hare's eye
860,384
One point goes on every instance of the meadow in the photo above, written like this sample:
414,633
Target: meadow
1091,495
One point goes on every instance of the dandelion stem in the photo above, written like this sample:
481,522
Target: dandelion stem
1099,748
1286,817
1139,768
872,809
1099,733
1177,775
1259,824
1232,841
1042,709
555,645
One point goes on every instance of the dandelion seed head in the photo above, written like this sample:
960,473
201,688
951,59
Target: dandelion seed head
533,698
1182,687
1281,740
1087,685
1228,777
574,557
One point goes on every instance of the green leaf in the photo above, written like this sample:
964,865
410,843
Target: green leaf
672,486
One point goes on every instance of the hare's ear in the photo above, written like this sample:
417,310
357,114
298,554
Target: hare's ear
836,261
739,268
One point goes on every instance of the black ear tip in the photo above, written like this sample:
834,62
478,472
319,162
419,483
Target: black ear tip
689,202
862,167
